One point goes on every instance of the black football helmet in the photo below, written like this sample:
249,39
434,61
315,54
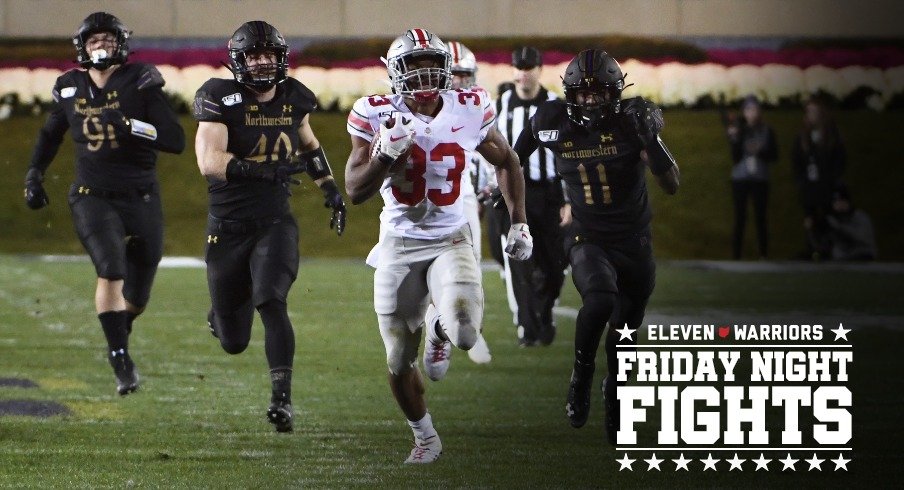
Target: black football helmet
593,70
258,35
102,22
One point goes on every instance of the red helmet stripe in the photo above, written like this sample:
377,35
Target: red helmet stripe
421,37
455,54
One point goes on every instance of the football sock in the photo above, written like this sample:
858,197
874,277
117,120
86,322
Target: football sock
591,323
130,317
114,326
423,429
279,338
281,379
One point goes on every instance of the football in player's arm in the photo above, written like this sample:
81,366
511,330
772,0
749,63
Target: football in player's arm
411,147
253,137
603,145
119,118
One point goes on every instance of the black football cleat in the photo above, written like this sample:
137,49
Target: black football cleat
124,369
613,412
280,415
577,405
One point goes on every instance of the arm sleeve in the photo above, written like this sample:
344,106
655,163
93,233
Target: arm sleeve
50,136
527,144
170,135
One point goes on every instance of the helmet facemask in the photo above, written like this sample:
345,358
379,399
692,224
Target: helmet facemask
252,40
103,58
591,102
260,75
423,83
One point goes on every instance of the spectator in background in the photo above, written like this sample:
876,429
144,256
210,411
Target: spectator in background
851,233
753,149
818,159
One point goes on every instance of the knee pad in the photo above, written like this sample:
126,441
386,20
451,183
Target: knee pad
233,347
461,314
234,329
598,306
401,343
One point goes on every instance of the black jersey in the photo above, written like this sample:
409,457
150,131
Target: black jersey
261,132
104,160
602,170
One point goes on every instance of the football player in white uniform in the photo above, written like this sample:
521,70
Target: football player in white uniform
411,147
480,179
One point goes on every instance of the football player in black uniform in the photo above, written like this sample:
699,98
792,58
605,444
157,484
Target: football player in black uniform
253,135
119,118
603,145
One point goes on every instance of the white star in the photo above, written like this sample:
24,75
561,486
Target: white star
735,462
815,463
789,463
626,463
681,462
762,463
654,463
840,332
840,462
709,462
626,332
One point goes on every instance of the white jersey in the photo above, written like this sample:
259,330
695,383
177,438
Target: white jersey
423,200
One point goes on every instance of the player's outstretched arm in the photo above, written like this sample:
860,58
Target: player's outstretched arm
49,139
497,151
318,168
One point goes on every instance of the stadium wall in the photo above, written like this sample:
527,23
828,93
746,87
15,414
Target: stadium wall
362,18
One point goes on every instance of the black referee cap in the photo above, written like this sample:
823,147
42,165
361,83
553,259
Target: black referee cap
526,57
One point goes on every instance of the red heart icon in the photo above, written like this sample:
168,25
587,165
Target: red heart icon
723,331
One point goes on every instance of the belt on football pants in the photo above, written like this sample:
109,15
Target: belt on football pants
241,226
140,192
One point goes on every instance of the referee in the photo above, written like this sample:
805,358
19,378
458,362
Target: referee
533,285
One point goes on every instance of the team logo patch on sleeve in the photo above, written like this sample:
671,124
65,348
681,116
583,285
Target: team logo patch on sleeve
232,99
548,135
67,92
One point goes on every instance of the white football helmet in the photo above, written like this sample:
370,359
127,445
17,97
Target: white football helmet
464,64
403,60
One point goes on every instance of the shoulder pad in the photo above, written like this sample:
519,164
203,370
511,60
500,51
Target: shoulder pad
64,83
213,97
300,94
548,114
149,77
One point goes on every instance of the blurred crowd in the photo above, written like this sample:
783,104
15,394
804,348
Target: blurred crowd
833,227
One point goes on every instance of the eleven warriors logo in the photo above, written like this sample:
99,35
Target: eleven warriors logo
710,389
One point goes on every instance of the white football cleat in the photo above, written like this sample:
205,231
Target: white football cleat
425,451
437,352
480,353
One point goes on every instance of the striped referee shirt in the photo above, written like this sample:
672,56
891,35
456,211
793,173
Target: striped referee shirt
512,116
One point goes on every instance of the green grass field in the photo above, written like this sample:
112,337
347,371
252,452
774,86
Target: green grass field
694,224
198,419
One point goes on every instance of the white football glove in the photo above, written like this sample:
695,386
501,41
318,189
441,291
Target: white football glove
519,244
397,138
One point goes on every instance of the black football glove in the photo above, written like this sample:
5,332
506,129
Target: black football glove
116,119
35,196
279,172
333,199
646,119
